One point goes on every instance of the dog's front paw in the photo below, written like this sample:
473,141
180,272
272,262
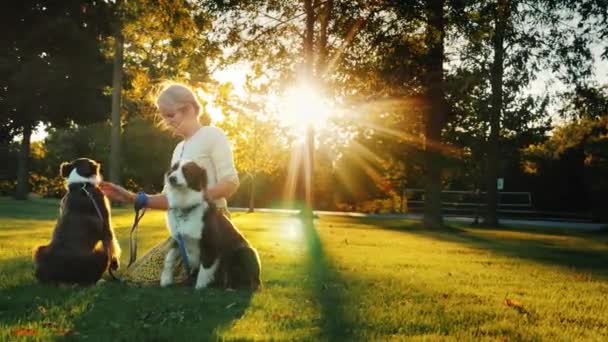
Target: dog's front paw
114,264
166,279
203,279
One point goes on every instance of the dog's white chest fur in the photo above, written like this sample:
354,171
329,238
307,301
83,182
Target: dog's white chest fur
185,214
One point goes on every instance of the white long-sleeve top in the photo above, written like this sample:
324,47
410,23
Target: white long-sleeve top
209,148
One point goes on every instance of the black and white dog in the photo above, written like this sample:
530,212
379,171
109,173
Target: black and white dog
84,220
213,245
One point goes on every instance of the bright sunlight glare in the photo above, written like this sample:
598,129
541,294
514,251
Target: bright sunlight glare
292,231
303,105
214,111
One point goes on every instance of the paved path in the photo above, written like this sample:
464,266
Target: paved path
506,222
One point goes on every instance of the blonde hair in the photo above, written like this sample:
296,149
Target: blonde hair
174,95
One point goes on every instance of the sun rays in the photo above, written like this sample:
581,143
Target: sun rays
352,127
362,159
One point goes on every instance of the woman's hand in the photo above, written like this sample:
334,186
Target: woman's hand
116,192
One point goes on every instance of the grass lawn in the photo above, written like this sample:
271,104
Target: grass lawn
345,279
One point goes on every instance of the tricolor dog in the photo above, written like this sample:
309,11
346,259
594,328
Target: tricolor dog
203,236
73,255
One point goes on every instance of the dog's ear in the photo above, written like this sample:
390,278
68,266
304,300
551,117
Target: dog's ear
96,166
65,169
195,176
203,179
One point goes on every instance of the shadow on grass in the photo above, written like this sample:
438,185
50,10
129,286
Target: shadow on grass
536,248
327,286
350,303
155,314
114,311
23,302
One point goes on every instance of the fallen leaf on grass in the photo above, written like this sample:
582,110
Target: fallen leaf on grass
582,276
516,305
230,305
42,309
25,332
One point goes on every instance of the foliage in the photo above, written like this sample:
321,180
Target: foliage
574,163
371,62
147,150
260,141
164,40
52,70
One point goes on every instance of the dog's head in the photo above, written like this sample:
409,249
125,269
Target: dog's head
81,170
186,174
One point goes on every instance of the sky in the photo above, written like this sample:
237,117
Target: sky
539,86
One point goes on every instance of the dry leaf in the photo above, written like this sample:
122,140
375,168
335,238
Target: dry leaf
42,309
582,276
25,332
515,305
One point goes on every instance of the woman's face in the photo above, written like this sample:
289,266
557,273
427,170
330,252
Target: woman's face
177,117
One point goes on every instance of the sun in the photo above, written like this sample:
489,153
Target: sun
299,107
302,106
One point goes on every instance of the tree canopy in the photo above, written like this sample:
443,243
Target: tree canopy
424,94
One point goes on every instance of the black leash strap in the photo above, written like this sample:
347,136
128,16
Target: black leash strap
102,220
133,236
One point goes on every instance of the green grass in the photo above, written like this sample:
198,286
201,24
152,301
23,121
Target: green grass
345,279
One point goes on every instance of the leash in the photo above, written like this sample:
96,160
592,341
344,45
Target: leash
141,200
100,218
182,250
139,213
92,201
180,240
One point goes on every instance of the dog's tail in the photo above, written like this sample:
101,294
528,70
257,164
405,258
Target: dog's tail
61,267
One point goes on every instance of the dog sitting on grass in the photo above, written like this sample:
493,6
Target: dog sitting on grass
218,255
73,255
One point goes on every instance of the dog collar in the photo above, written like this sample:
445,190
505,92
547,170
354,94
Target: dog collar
185,211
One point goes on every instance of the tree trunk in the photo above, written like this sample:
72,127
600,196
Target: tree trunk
115,153
23,169
496,79
322,43
308,38
435,116
307,163
310,167
252,195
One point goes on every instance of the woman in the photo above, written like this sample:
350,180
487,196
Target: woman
206,145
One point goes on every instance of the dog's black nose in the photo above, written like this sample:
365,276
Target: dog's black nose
173,180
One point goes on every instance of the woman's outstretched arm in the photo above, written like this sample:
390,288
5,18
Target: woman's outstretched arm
119,194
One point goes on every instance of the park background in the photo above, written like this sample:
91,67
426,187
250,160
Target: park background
435,96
